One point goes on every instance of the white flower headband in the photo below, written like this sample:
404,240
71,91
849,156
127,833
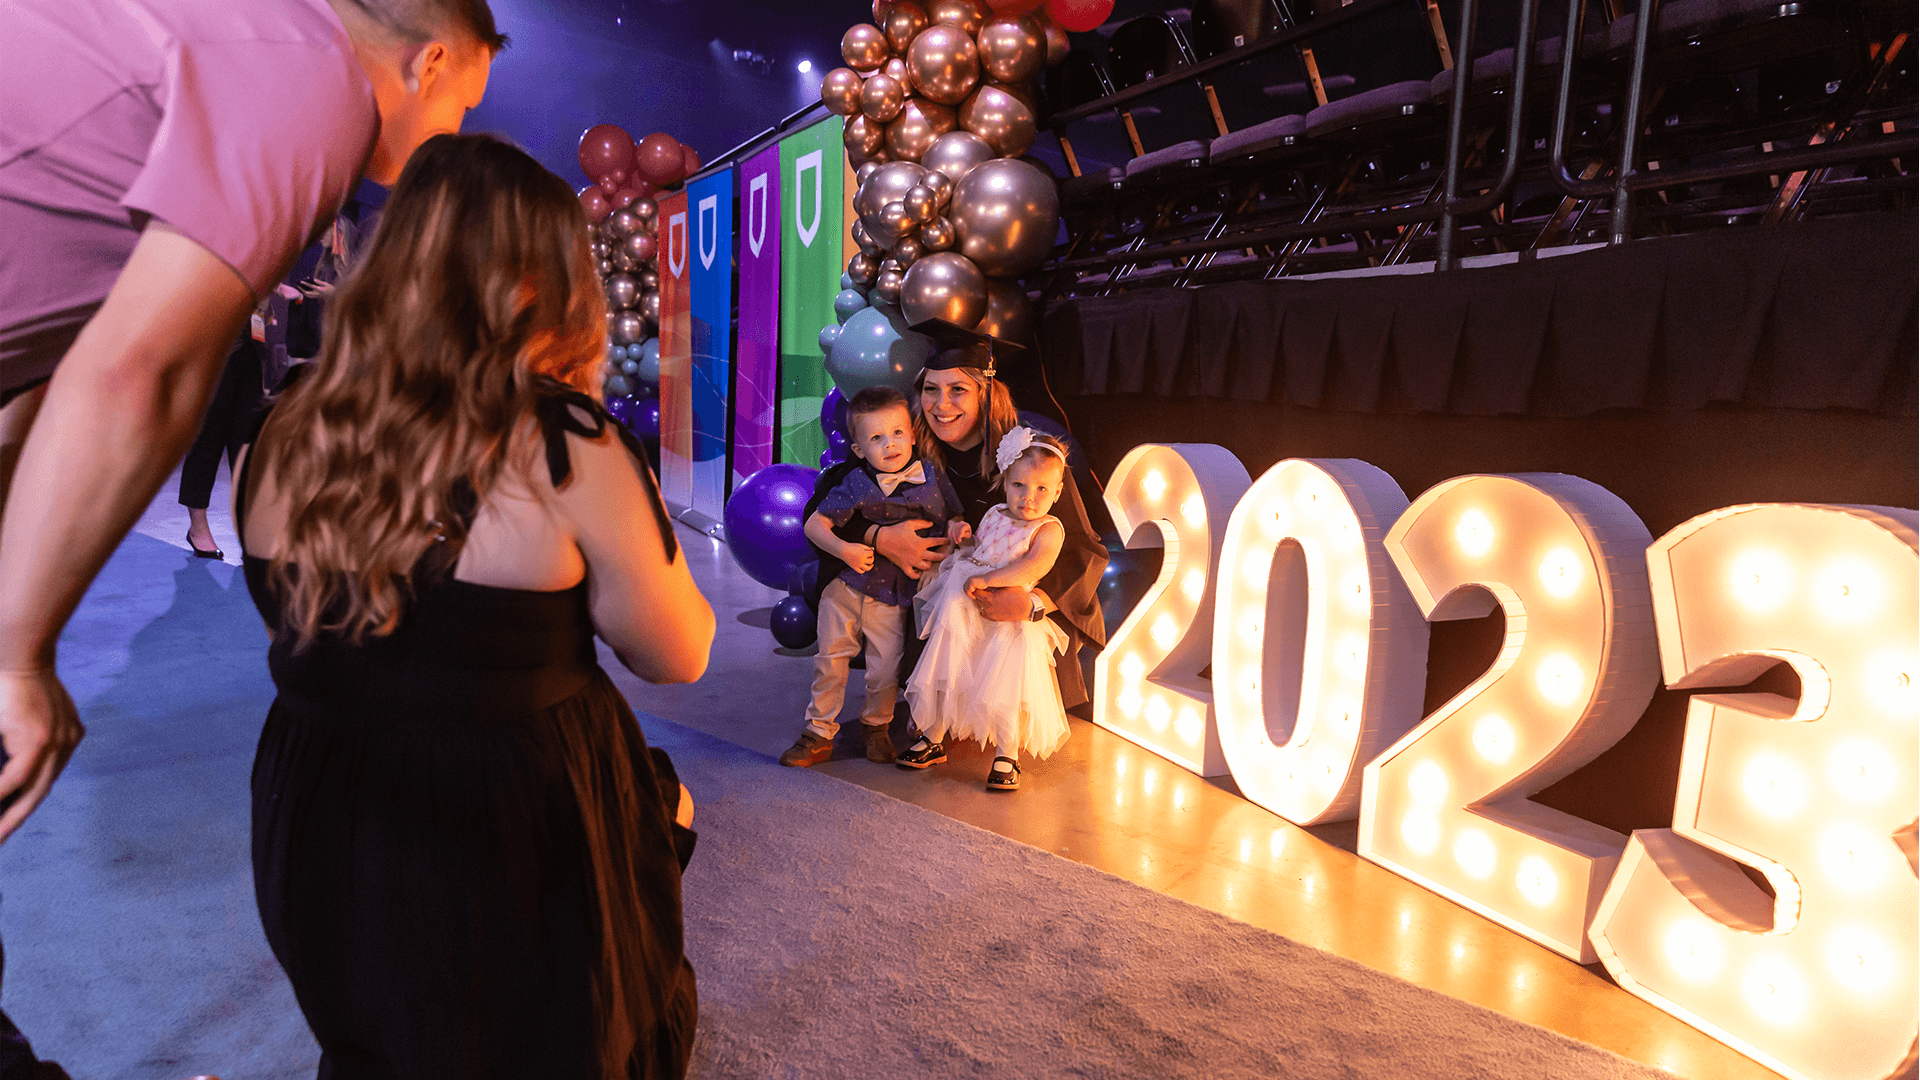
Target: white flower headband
1018,441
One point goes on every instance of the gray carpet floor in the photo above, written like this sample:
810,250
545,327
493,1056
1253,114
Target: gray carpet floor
836,932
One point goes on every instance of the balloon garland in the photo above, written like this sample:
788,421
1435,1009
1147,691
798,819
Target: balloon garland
941,104
619,203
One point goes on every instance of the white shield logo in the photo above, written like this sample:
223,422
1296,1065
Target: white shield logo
677,244
757,213
805,163
709,230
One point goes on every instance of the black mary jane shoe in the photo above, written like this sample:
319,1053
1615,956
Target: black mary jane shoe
201,553
1007,779
922,753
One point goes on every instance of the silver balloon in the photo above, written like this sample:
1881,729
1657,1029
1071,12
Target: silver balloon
920,203
881,99
888,184
649,280
846,303
599,248
840,89
622,223
623,291
1009,314
650,306
605,266
1005,215
627,327
894,223
875,348
956,153
886,288
617,386
942,187
863,238
1013,48
623,261
639,245
645,209
860,175
944,286
937,235
998,115
863,268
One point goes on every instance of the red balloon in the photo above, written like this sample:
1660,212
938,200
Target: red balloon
1014,7
595,204
634,188
606,154
659,159
1079,15
690,159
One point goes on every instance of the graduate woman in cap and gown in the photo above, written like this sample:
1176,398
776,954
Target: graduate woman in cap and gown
961,412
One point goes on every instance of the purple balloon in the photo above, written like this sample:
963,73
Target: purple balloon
644,420
793,623
765,529
826,459
833,415
837,446
620,408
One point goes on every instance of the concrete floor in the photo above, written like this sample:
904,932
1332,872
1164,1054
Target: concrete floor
1107,803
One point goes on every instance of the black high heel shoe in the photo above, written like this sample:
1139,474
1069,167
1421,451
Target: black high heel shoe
199,553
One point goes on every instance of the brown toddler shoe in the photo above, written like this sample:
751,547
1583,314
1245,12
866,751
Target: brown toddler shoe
808,749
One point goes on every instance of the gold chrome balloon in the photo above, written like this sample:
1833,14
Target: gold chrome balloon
863,267
1013,48
650,306
955,154
882,98
913,131
904,22
863,135
649,280
864,48
944,63
841,91
996,115
944,286
920,203
1009,314
646,210
968,15
939,183
888,184
897,70
860,175
907,252
937,235
894,224
1005,214
1058,45
622,223
623,291
640,246
863,238
627,327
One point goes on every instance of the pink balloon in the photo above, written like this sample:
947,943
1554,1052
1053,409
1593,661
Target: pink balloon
606,155
659,159
595,204
1079,15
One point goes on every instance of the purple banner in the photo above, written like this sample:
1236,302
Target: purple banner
756,387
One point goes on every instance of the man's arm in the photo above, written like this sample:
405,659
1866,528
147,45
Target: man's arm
122,408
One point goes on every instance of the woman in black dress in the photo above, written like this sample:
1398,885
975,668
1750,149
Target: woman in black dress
466,857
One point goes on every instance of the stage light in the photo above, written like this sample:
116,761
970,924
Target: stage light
1562,558
1822,980
1362,649
1174,497
804,66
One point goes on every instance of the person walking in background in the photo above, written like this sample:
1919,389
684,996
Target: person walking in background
149,197
466,857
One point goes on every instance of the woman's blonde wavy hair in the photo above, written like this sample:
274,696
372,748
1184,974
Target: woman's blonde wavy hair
475,296
997,415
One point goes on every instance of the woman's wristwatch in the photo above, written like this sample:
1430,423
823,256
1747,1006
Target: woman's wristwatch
1039,608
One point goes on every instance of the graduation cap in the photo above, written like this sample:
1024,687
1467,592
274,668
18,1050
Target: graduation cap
957,347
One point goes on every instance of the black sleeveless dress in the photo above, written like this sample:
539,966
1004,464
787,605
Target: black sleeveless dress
464,851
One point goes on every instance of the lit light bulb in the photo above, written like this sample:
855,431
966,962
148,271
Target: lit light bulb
1428,783
1761,579
1473,851
1132,668
1255,570
1537,881
1159,713
1854,859
1559,679
1775,989
1775,785
1848,590
1307,498
1861,771
1190,727
1250,629
1165,633
1889,678
1350,656
1194,584
1353,590
1474,533
1493,738
1561,572
1194,509
1276,523
1861,960
1694,950
805,66
1420,831
1129,702
1154,484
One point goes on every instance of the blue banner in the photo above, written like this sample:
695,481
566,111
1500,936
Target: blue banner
710,292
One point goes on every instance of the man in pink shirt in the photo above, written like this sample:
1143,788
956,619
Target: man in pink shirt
162,162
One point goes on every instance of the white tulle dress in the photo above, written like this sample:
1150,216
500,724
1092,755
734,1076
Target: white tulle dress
989,681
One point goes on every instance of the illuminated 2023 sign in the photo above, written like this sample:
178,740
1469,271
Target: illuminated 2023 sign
1314,639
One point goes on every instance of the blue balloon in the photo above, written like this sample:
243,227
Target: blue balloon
804,581
616,386
629,367
826,458
875,348
793,623
649,360
644,421
848,302
833,412
829,335
765,529
846,281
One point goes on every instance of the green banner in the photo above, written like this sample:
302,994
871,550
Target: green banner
812,163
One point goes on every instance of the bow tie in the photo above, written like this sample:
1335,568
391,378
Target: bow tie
917,474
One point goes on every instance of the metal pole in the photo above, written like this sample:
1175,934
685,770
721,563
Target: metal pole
1445,258
1621,224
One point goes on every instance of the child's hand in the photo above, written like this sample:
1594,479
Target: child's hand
858,557
977,587
959,532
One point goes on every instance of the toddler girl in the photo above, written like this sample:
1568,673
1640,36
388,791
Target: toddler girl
994,681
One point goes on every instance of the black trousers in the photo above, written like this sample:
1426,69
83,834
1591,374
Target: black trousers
229,421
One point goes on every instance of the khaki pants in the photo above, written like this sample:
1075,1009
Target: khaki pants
847,617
